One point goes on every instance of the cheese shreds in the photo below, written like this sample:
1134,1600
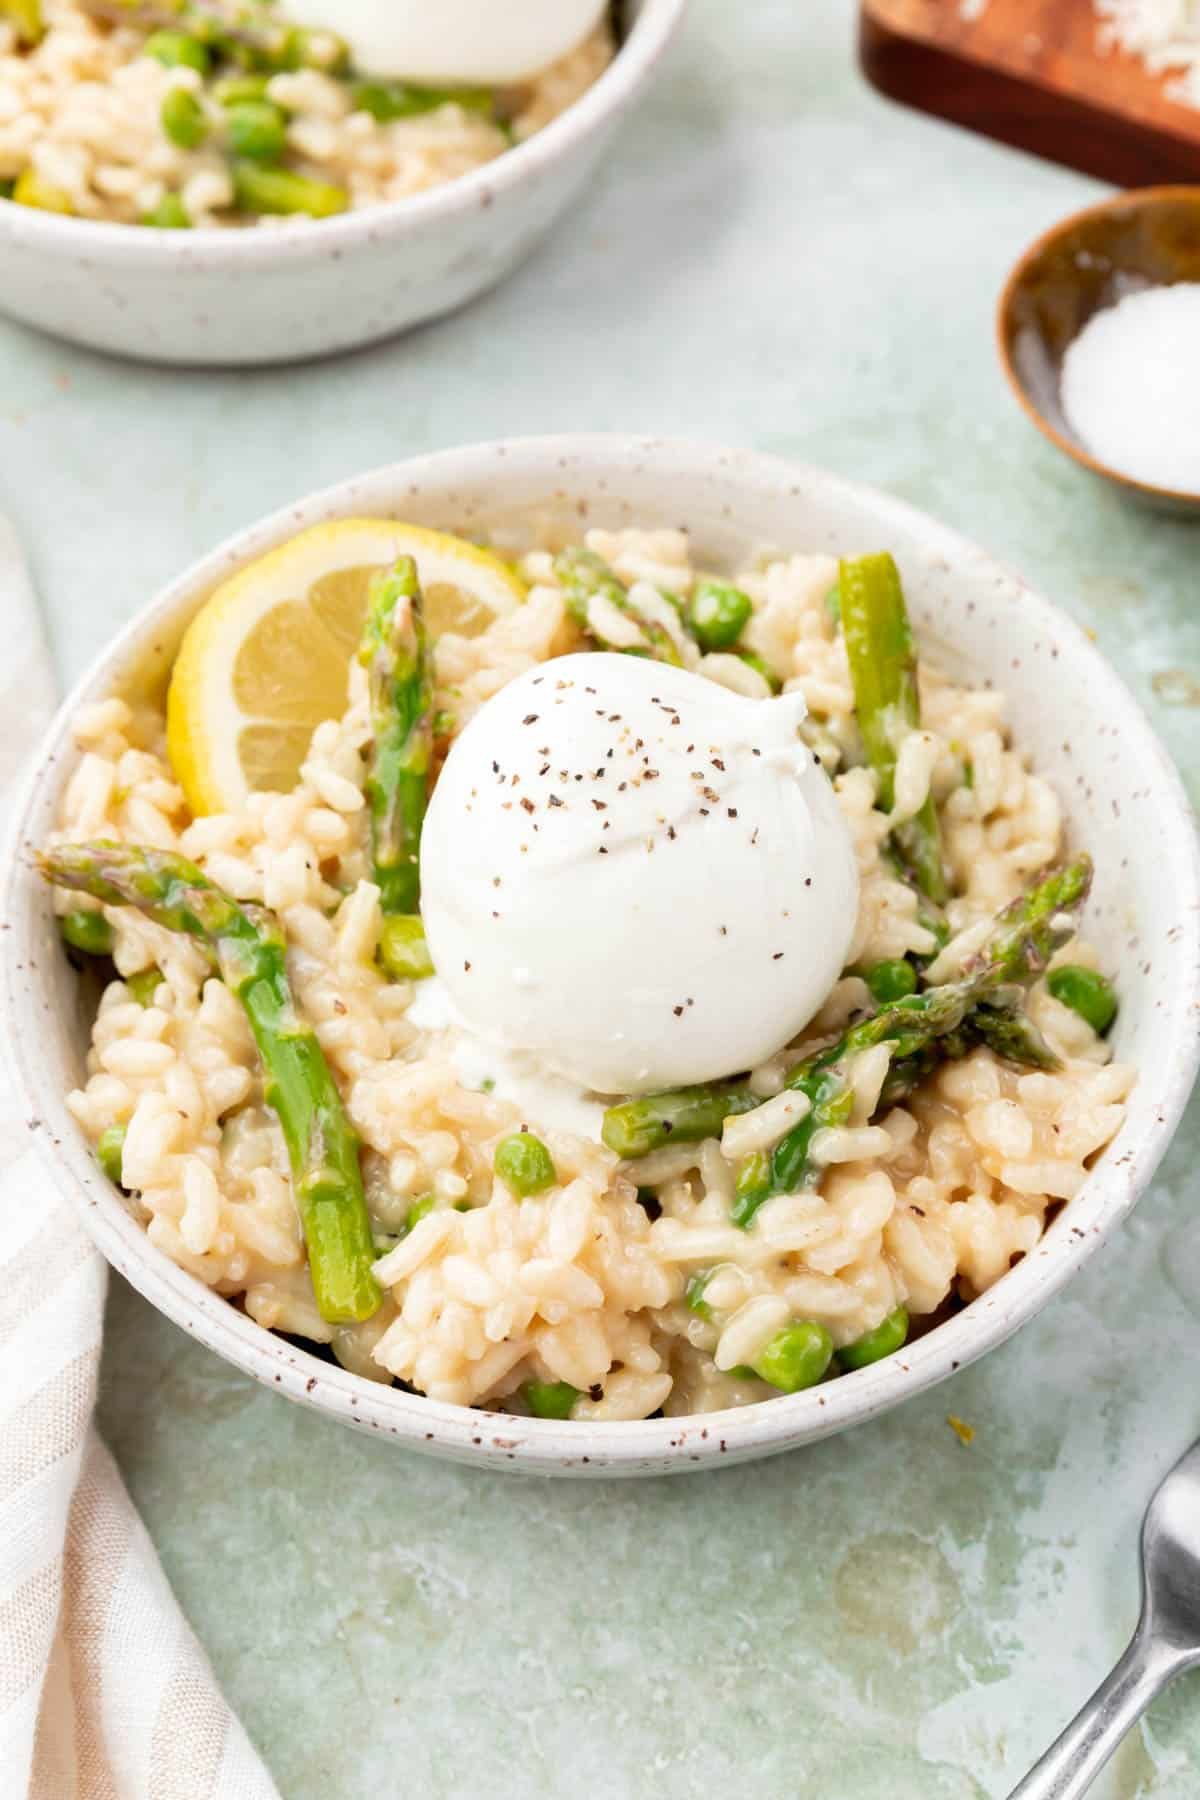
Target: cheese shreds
1164,33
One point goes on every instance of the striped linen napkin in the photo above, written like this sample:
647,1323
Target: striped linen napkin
105,1693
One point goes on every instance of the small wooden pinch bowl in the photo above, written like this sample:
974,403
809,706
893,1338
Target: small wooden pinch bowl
1149,237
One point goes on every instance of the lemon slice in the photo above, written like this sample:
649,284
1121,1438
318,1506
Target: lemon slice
267,657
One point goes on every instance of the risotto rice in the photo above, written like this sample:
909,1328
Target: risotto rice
592,1282
84,118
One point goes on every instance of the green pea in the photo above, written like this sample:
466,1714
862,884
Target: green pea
144,985
109,1150
234,90
795,1357
183,118
873,1346
420,1209
323,50
261,190
550,1399
87,931
754,661
1085,992
890,981
257,129
169,215
717,614
833,604
693,1294
524,1164
402,948
177,50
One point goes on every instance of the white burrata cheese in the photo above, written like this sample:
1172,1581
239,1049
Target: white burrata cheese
635,876
452,42
524,1080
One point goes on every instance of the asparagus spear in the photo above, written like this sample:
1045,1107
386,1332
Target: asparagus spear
1012,1034
389,100
586,577
1026,935
922,1028
247,947
1007,1030
910,1025
930,917
883,668
395,651
683,1117
907,1072
262,190
245,32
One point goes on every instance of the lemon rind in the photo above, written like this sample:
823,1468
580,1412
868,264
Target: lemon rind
204,720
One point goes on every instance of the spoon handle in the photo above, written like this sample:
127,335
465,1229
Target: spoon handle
1075,1759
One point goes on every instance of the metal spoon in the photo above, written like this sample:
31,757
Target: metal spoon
1166,1642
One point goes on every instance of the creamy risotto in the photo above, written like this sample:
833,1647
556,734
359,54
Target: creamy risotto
173,128
532,1245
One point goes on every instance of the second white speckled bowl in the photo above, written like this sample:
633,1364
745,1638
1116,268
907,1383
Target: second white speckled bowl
1123,799
310,287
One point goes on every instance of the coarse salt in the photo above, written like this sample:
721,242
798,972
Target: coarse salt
1131,386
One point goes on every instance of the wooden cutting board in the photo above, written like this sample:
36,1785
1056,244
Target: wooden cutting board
1029,72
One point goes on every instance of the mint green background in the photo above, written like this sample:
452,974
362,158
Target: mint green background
774,257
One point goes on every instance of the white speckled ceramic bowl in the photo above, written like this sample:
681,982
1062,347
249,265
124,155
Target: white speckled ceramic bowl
1122,795
312,287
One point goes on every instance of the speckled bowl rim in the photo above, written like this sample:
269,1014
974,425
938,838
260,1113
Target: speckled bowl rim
1131,200
216,247
656,1445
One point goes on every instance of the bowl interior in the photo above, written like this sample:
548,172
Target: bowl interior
1122,799
1080,267
642,29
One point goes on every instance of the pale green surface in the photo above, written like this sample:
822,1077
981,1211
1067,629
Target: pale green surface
777,258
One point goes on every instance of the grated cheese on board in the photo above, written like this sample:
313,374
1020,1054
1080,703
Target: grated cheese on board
1164,33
